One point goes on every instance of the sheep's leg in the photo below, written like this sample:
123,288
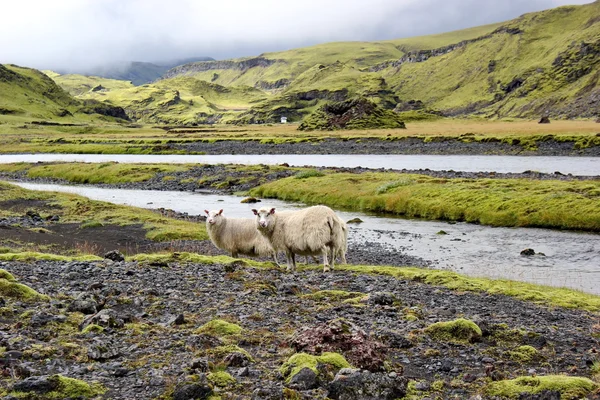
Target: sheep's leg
325,252
333,251
343,256
291,261
275,259
234,254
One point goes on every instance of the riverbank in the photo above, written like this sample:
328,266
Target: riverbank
142,330
526,199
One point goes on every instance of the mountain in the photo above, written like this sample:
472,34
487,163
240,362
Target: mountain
27,94
542,63
138,72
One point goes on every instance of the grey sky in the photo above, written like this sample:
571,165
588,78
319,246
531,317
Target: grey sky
82,34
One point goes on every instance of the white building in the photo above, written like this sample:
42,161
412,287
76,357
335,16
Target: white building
284,120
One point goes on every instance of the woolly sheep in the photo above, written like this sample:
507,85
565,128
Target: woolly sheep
237,236
311,231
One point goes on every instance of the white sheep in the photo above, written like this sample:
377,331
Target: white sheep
237,236
312,231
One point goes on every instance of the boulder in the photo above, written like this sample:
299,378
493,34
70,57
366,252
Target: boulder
352,384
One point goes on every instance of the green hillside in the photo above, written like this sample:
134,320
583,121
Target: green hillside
27,94
540,63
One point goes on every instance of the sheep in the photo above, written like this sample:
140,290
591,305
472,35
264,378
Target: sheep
312,231
237,236
341,245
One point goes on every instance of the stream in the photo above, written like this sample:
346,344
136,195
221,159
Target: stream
584,166
570,259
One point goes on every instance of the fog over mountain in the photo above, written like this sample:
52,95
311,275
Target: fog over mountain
85,35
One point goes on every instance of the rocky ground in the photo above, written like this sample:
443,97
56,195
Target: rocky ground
143,339
378,146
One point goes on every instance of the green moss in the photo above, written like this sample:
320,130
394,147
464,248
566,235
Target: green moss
334,295
219,327
459,331
524,354
221,378
91,224
223,351
66,388
299,361
570,387
9,288
4,274
31,255
92,328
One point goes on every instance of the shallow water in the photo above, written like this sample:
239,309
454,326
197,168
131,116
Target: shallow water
571,259
584,166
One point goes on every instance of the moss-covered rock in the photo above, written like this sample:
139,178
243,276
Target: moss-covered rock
219,327
299,361
12,289
458,331
55,387
351,114
523,354
221,378
4,274
570,387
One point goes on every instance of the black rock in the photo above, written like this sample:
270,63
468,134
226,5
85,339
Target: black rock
199,390
268,393
37,384
382,299
85,303
178,320
201,364
356,385
543,395
115,255
527,252
306,379
237,359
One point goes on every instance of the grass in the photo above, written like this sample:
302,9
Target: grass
78,209
495,202
109,173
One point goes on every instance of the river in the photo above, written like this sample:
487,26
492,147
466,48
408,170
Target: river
570,258
584,166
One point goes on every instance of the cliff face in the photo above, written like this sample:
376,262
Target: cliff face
239,65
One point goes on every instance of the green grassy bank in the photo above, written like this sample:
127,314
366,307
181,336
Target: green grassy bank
497,202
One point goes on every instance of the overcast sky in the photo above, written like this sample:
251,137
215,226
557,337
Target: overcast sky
83,34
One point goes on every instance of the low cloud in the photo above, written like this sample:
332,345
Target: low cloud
80,35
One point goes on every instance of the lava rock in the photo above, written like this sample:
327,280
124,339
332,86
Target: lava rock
528,252
115,255
359,385
305,379
199,390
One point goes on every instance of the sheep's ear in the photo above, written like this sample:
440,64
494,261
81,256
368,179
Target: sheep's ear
206,211
254,211
220,211
272,211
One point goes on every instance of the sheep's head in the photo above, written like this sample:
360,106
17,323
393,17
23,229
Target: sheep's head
213,217
264,217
